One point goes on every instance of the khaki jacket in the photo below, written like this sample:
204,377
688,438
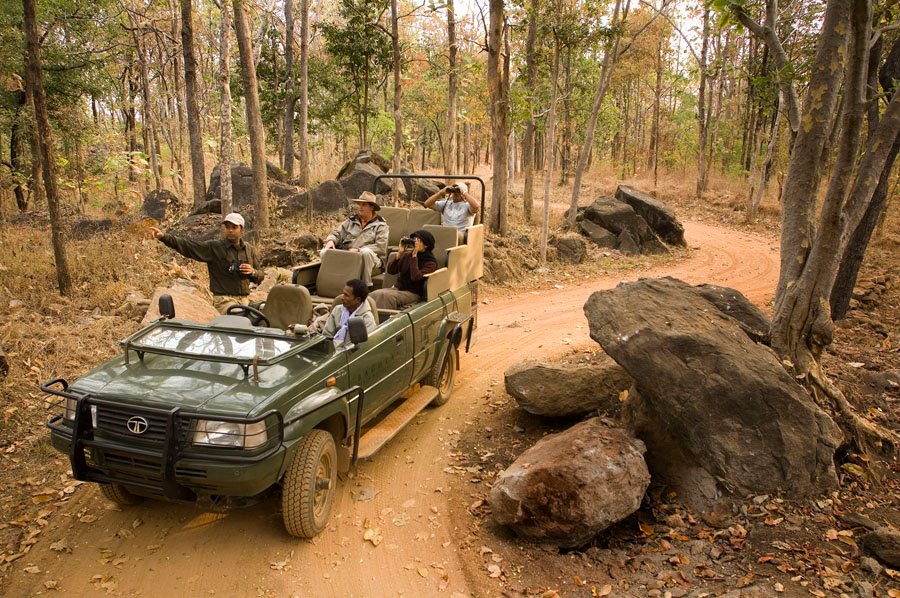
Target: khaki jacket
351,234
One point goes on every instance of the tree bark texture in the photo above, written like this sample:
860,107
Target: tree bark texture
225,128
450,157
195,131
45,142
289,92
550,149
398,90
254,118
528,135
303,122
702,122
499,96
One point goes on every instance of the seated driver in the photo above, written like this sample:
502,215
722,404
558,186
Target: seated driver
353,304
413,260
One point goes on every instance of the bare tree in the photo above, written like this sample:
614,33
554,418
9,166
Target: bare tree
498,86
398,90
254,118
35,80
550,145
450,162
528,134
290,95
225,148
303,124
195,131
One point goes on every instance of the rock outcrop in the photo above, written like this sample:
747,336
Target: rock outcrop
567,390
717,411
572,485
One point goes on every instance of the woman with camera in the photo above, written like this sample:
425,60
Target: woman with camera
413,260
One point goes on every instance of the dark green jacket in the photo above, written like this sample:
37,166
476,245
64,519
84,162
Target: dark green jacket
219,254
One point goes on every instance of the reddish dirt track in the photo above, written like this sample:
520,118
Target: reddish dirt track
160,549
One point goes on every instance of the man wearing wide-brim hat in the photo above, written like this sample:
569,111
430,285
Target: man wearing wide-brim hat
365,232
232,263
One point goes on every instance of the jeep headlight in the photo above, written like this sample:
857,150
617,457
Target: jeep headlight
233,434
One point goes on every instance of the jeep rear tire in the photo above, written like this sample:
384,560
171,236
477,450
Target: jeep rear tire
442,375
120,495
309,485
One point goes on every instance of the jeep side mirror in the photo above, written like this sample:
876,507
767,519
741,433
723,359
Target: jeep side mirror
166,307
356,330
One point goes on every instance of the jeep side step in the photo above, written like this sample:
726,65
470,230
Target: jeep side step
378,435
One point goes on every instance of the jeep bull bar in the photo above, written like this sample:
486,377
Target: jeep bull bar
168,439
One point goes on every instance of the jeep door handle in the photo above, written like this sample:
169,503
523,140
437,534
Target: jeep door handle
399,339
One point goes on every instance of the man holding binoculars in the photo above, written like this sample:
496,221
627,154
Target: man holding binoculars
458,210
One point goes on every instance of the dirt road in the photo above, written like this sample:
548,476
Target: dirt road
156,549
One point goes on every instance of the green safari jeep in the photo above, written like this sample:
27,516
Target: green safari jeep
228,412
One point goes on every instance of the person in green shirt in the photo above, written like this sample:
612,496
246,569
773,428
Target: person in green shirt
232,263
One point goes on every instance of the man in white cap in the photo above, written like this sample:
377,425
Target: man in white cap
458,210
365,232
232,263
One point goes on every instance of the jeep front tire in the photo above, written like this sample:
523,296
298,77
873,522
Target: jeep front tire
120,495
309,485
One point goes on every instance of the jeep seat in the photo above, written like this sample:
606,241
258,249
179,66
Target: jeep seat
396,219
337,267
445,238
287,305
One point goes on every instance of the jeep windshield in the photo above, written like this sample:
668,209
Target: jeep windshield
217,344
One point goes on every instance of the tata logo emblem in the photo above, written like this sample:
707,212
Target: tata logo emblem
137,425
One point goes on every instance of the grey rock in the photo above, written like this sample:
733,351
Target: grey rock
566,390
213,206
627,244
653,245
869,564
597,234
241,185
161,205
658,215
326,197
365,156
572,485
717,411
616,217
884,544
571,249
419,190
732,303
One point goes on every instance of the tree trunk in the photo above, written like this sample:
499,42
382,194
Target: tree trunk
653,160
303,123
37,174
254,118
148,130
195,132
567,128
602,85
499,90
702,124
451,90
398,90
765,171
289,93
551,149
45,141
528,135
225,144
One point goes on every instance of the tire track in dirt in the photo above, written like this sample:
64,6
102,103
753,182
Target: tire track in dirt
161,549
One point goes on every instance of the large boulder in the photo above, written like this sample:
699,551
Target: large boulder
658,215
570,486
570,249
599,235
566,390
731,302
285,254
364,157
717,411
326,197
884,544
241,185
628,244
161,205
362,178
419,190
617,217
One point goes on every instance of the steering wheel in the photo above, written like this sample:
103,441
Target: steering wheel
255,316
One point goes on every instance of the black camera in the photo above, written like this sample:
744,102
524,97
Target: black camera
453,189
234,267
407,242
